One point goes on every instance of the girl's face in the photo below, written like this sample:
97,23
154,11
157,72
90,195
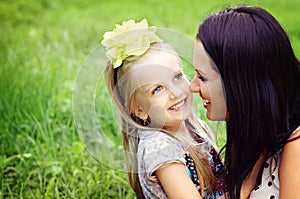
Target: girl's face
208,83
164,92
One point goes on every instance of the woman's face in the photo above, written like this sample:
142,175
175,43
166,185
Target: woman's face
163,93
208,83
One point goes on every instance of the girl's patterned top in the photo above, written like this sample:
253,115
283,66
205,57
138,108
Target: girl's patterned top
156,149
216,165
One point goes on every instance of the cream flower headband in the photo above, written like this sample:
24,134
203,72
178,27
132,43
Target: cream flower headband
129,41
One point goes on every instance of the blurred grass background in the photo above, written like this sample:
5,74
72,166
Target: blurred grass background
42,46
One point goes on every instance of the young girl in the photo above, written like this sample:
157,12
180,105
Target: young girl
169,152
244,52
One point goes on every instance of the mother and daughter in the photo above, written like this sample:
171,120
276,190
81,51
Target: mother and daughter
246,74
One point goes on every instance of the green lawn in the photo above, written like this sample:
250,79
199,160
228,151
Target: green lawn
43,45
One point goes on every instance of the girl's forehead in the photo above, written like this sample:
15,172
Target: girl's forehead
156,67
154,73
163,57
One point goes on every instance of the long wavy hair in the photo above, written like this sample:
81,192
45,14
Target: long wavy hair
260,73
131,124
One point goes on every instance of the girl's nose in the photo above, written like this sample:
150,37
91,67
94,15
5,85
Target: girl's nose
175,91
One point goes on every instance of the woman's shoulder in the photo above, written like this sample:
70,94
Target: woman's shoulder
295,134
289,166
293,143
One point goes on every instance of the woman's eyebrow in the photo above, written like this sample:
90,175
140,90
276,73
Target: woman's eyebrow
199,71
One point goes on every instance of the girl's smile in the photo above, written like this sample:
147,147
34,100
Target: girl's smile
178,106
164,93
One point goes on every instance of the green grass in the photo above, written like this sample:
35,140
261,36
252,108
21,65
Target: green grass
42,47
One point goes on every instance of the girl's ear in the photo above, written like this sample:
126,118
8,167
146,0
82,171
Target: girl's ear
140,113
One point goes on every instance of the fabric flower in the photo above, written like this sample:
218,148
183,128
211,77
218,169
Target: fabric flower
129,41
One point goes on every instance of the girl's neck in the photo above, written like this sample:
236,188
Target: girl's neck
176,128
182,127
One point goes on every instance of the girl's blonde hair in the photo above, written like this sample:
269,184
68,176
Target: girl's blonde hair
131,124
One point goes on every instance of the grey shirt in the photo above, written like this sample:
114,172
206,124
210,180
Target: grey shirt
156,149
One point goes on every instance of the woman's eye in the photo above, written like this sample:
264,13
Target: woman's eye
178,76
202,78
157,90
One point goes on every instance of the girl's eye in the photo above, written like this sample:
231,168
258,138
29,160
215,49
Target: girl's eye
202,78
157,90
178,76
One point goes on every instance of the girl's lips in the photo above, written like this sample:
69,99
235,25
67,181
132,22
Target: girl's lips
178,106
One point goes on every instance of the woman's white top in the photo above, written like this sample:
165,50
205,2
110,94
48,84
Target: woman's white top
269,187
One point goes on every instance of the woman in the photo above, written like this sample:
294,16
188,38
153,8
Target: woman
248,75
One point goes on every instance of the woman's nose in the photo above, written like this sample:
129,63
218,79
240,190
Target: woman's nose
195,85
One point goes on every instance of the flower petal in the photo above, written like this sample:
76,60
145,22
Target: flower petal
129,41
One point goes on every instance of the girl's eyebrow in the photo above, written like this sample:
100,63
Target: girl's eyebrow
150,86
177,71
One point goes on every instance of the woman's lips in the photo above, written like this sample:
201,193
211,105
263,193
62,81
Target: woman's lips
206,103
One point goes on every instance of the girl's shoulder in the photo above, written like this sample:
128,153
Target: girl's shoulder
156,149
158,140
151,135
